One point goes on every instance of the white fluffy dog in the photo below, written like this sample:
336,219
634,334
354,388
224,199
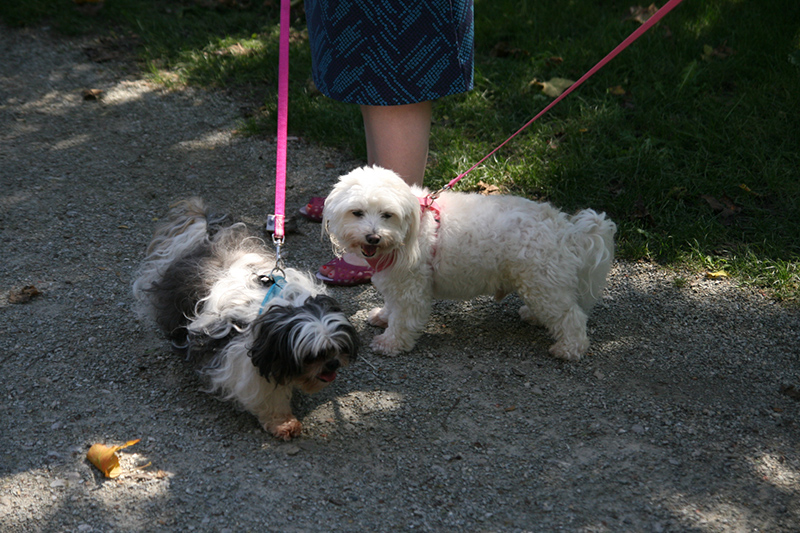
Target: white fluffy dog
255,336
465,245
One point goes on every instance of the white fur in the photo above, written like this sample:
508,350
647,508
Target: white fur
484,245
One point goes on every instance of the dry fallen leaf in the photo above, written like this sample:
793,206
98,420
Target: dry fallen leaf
642,14
554,87
715,204
553,61
236,49
617,90
487,189
105,457
678,193
722,51
719,274
747,189
641,213
724,207
24,295
503,49
791,391
145,476
88,7
92,94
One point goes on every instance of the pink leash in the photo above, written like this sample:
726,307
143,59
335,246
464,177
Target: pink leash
622,46
277,220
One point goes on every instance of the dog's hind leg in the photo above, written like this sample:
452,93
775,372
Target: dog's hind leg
526,314
565,320
570,333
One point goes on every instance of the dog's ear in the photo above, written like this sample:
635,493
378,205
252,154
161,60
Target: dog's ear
338,330
272,351
409,252
331,214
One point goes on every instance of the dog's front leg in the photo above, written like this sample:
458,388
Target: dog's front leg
379,317
405,312
275,414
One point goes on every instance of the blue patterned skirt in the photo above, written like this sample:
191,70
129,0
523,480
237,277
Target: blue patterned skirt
391,52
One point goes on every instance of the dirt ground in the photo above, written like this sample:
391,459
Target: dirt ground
684,416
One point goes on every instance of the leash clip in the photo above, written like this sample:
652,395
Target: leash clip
434,195
275,226
278,269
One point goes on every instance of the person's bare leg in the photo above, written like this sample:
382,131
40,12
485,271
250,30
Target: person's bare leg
397,138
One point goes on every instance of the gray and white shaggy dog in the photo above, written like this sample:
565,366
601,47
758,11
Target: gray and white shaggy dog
255,336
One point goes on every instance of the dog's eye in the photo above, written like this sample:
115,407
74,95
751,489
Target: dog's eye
358,214
386,216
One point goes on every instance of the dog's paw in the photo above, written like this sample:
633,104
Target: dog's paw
527,315
569,351
386,345
377,317
285,430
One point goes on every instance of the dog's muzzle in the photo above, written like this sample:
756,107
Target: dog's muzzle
371,248
328,373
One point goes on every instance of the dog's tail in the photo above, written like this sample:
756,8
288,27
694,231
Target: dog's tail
596,232
184,230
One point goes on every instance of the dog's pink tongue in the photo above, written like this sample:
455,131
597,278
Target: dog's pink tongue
327,377
368,250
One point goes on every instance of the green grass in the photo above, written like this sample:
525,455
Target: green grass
692,131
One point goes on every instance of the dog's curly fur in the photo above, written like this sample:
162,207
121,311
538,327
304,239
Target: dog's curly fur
208,288
481,245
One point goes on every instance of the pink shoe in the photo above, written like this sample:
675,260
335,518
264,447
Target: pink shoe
340,272
313,209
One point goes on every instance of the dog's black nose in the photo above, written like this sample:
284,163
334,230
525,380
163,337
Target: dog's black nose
332,365
373,239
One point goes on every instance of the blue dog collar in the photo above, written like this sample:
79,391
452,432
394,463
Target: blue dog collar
278,283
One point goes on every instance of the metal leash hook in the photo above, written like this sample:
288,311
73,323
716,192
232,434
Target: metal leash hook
434,195
275,226
278,259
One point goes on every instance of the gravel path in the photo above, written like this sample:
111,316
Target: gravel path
683,418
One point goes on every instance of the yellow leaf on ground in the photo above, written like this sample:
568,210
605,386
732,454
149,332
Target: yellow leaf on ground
642,14
23,295
105,457
554,87
747,189
717,275
487,189
722,51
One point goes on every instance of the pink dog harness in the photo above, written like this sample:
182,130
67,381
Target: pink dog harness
427,203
